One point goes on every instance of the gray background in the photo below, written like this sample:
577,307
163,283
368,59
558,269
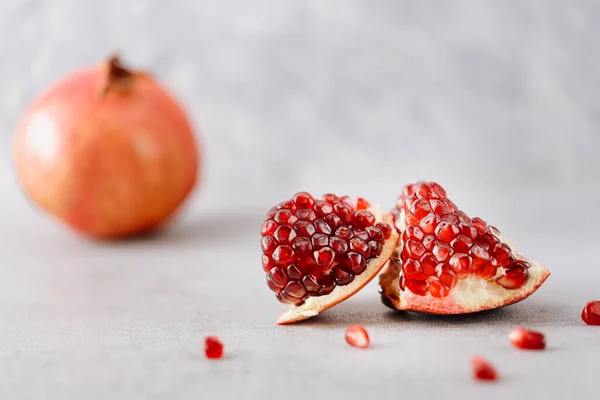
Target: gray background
496,100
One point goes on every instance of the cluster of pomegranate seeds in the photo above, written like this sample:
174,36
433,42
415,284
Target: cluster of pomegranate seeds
591,313
213,348
482,370
357,336
311,246
527,340
442,244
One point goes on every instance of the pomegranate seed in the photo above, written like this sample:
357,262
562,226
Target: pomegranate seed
414,232
482,370
461,244
364,218
356,263
324,257
268,227
429,242
461,263
442,252
514,277
303,200
501,253
360,246
283,255
414,249
437,289
375,248
528,340
344,212
320,240
446,232
213,348
277,276
446,275
412,270
267,263
268,245
591,313
294,272
362,204
284,234
342,277
420,208
304,228
306,215
331,198
323,208
480,225
333,221
417,287
302,245
357,336
295,289
428,264
439,207
385,228
322,227
338,244
374,233
429,223
344,232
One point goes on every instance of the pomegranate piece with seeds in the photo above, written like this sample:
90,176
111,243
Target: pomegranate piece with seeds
483,370
527,340
213,348
319,252
357,336
449,263
591,313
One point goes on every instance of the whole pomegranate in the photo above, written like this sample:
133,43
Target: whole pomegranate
106,150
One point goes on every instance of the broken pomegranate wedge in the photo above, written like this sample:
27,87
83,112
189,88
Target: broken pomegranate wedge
448,263
319,252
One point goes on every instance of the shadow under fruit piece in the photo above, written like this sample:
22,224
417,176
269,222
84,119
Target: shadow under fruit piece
106,150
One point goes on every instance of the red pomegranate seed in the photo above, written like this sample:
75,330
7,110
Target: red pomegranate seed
362,204
303,200
357,336
528,340
483,370
213,347
514,278
310,245
591,313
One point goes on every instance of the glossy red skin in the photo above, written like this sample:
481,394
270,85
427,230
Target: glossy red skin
108,164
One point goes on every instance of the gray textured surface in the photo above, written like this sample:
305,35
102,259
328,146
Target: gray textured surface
496,100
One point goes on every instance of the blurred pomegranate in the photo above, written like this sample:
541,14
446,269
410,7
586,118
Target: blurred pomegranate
106,150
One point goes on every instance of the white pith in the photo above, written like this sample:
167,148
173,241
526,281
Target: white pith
469,295
317,304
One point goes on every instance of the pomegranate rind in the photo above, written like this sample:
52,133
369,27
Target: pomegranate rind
316,305
470,295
